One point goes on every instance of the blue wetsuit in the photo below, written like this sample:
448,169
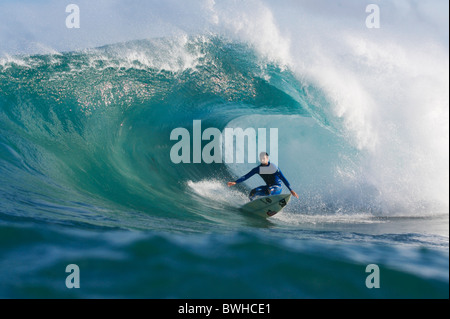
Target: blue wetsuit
272,175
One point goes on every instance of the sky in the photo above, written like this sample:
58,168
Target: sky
40,26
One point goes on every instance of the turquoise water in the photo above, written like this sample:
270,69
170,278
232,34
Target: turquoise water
87,179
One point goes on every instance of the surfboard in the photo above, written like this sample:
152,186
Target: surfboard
266,206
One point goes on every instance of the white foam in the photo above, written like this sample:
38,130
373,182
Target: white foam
388,90
316,219
217,192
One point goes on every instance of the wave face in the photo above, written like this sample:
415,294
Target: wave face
95,126
362,119
97,123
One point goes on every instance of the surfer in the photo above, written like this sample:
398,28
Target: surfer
271,174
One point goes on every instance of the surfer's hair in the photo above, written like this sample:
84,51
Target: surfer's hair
263,153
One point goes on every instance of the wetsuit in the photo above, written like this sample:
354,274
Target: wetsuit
272,175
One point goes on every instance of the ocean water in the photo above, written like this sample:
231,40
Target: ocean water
86,176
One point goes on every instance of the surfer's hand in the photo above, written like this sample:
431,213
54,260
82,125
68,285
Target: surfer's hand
231,184
294,194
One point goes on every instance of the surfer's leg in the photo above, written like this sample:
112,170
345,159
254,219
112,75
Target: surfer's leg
275,190
259,191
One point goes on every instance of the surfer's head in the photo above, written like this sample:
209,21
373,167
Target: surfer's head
264,158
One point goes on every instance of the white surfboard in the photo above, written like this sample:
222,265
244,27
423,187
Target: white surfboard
266,206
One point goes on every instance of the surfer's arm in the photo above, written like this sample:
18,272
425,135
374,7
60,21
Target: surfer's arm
248,175
285,181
